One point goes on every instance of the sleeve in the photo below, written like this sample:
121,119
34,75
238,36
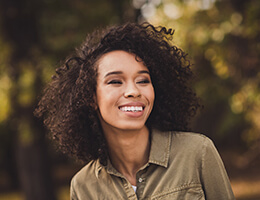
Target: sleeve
214,177
73,195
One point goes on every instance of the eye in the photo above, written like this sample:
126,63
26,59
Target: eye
145,81
115,82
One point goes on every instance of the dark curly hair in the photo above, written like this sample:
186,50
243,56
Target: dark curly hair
68,103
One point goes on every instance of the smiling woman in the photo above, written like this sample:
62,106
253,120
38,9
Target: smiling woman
122,104
125,94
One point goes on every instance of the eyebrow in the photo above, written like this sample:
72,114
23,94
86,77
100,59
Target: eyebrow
120,72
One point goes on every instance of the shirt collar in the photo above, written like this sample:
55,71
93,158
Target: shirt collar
109,168
159,153
160,148
98,168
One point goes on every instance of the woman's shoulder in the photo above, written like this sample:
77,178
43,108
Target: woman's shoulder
190,142
189,137
87,171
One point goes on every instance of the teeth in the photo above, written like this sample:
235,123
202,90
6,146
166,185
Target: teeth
132,108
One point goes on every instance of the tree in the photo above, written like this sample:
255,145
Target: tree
34,36
223,40
19,28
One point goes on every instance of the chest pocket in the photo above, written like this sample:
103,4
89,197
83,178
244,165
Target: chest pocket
185,193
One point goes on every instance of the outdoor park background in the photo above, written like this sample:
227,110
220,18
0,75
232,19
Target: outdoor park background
222,37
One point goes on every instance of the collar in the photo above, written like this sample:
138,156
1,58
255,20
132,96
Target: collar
160,148
159,153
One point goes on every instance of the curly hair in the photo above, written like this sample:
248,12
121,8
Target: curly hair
68,103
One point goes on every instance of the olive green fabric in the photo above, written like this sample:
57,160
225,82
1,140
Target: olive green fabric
182,165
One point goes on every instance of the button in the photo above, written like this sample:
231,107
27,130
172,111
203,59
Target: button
140,180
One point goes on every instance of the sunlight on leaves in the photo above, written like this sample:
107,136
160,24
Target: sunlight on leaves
172,11
218,35
210,54
236,19
227,39
5,85
221,69
26,83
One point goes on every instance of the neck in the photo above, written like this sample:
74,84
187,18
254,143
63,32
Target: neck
128,151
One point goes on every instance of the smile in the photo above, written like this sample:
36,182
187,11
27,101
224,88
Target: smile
131,108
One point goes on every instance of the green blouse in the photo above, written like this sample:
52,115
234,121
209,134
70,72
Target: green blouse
181,166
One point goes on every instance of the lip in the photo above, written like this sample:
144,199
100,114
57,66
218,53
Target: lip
132,104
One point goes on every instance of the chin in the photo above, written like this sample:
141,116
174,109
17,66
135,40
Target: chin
132,127
123,125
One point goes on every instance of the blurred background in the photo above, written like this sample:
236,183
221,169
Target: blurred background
222,37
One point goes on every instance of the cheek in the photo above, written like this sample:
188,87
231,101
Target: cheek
150,95
105,98
99,97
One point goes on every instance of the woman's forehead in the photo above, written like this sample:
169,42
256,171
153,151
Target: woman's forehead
119,60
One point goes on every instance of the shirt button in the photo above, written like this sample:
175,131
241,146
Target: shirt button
140,180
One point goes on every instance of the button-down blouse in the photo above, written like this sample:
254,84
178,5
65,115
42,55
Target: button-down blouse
181,166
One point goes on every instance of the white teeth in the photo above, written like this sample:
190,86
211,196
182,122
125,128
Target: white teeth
131,108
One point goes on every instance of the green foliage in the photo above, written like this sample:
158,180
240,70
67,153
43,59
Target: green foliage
61,25
222,38
34,36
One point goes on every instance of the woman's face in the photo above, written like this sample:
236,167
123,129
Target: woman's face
125,94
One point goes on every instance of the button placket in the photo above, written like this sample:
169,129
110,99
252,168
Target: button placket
140,186
128,189
141,181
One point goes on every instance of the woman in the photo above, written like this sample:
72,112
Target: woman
122,104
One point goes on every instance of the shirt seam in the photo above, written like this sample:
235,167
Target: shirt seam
174,190
203,156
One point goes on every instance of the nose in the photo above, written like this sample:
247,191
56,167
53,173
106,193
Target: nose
132,90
